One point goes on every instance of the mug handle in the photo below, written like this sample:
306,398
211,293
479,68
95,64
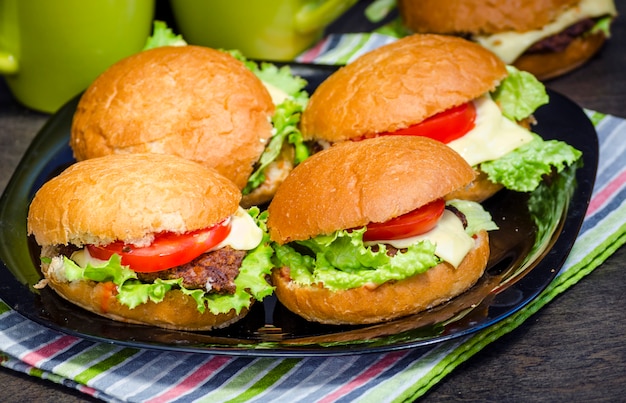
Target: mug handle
314,16
8,29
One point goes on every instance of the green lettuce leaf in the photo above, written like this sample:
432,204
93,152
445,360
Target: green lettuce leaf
163,36
345,262
477,217
342,261
603,25
285,122
519,94
286,116
523,169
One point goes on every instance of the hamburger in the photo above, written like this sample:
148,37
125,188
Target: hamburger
362,234
150,239
206,105
544,37
452,90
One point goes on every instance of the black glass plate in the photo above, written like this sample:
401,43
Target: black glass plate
536,233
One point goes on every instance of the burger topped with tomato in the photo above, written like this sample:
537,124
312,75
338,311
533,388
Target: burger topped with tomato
452,90
151,239
362,233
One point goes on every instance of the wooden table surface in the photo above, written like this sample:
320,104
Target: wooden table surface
574,349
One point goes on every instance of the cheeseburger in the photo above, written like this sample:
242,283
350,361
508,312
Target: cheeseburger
452,90
202,104
544,37
150,239
362,233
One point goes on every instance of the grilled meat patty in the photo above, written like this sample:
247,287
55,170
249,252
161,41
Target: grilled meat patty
214,271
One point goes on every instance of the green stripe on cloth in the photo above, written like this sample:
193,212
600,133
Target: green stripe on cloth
267,381
77,364
350,44
105,365
247,381
4,307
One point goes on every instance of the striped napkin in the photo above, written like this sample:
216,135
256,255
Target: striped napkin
122,374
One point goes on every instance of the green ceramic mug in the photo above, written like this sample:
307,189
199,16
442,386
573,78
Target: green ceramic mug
270,29
50,50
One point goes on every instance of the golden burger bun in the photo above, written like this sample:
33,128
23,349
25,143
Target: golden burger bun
195,102
398,85
480,18
350,185
130,197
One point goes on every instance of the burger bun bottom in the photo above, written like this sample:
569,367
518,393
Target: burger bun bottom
176,311
391,300
549,65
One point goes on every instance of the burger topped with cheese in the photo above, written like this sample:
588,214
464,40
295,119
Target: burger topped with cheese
544,37
151,239
362,233
206,105
452,90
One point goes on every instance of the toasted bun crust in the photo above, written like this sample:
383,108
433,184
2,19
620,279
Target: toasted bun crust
176,311
129,197
479,16
354,183
398,85
195,102
390,300
548,65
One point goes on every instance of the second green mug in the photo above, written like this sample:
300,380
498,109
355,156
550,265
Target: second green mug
271,29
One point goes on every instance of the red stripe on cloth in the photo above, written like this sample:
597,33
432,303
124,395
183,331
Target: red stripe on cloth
88,390
369,374
37,356
193,380
606,193
311,54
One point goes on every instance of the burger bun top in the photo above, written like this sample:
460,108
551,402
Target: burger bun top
354,183
398,85
479,17
195,102
129,197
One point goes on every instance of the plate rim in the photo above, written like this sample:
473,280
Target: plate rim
58,123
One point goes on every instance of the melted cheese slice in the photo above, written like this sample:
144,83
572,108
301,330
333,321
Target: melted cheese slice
493,135
278,95
508,46
451,240
244,233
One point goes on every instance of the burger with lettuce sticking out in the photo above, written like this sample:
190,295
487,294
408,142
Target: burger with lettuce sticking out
363,235
452,90
206,105
151,239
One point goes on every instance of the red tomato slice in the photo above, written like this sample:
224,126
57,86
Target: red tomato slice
446,126
168,249
414,223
